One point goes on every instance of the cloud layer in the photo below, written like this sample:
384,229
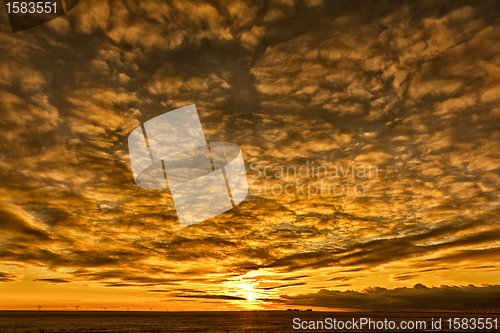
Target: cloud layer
412,89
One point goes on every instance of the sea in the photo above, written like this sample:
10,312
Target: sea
240,321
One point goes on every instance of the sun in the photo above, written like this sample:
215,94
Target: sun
250,296
248,291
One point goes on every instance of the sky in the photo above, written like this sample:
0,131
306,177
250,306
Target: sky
408,91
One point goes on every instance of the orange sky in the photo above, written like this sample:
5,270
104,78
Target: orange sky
412,90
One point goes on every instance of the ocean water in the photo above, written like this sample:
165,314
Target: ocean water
241,321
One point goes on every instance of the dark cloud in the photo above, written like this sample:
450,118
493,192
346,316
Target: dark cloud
420,297
12,223
53,280
378,252
222,297
292,278
179,290
404,277
283,286
340,278
7,277
128,285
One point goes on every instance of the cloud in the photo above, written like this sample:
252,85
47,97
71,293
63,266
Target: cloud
409,89
283,286
222,297
419,297
405,277
15,224
7,277
53,280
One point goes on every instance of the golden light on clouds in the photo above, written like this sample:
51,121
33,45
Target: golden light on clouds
411,89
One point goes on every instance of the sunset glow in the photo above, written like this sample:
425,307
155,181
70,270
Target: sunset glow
369,133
